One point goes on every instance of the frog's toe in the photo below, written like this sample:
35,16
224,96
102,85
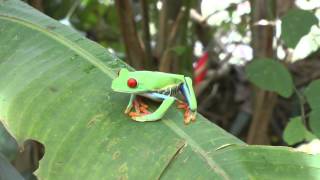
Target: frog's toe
189,116
144,110
134,114
187,120
193,116
142,104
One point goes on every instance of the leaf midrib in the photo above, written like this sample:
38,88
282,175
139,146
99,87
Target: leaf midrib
197,148
96,62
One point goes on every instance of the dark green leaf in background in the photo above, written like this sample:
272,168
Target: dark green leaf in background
314,122
179,50
295,24
271,75
296,132
312,94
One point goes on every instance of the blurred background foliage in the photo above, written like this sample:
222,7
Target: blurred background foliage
215,42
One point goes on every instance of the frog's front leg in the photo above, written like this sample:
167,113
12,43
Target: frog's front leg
130,104
159,113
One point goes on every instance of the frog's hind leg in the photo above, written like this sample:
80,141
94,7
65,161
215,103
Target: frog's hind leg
159,113
189,94
191,106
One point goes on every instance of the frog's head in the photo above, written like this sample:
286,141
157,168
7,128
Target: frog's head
128,82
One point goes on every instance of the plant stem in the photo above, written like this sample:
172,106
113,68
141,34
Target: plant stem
301,102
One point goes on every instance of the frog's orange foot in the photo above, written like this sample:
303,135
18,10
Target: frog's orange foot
139,107
188,114
144,110
182,105
134,114
136,105
142,104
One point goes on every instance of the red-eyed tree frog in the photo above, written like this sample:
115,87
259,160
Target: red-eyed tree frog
157,86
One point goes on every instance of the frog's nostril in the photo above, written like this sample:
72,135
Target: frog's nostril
132,83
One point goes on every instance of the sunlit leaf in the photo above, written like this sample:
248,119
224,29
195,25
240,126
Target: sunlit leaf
307,44
271,75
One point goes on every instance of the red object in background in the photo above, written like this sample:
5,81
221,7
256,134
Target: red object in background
200,68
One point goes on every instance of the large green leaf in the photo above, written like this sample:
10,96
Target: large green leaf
271,75
55,88
295,24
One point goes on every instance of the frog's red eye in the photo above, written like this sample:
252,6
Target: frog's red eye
132,83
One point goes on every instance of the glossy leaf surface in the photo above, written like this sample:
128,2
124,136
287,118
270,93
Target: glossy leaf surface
55,88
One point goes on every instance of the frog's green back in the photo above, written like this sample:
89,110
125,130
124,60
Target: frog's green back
147,81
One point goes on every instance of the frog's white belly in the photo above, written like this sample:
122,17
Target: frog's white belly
162,94
154,96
